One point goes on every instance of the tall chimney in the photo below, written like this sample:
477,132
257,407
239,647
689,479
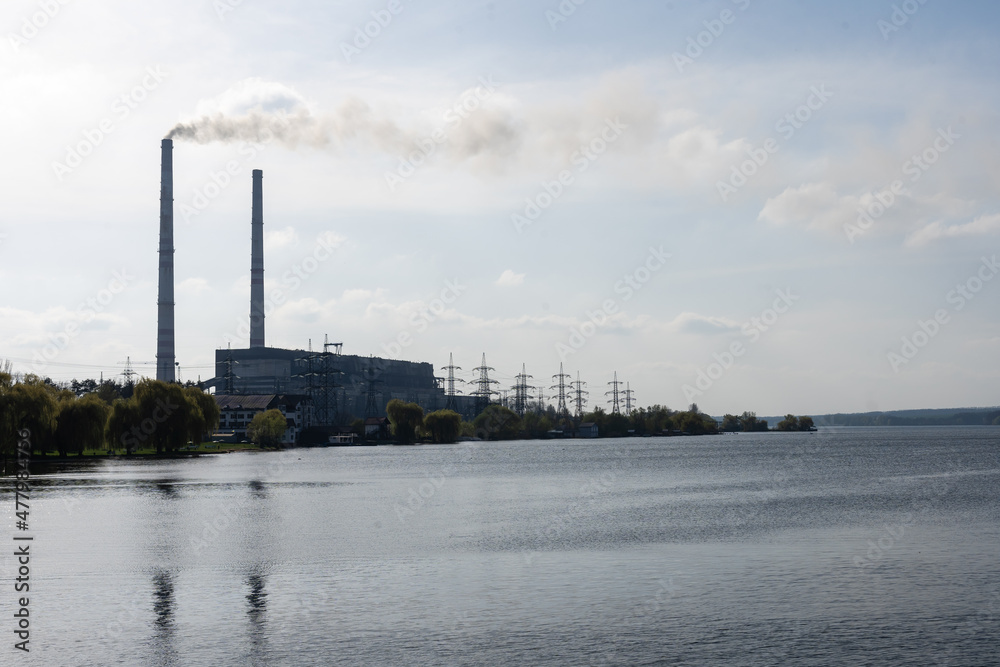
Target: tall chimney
165,298
257,262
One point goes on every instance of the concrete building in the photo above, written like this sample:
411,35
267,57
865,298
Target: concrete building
270,370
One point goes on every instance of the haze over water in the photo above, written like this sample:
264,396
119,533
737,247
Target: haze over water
844,547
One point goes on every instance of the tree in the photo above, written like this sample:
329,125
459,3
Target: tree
204,412
109,392
81,424
616,426
789,423
497,423
793,423
749,422
405,419
166,417
731,423
443,425
694,423
123,419
267,428
31,405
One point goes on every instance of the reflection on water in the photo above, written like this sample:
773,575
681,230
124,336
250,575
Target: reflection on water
697,551
258,489
163,608
168,487
257,606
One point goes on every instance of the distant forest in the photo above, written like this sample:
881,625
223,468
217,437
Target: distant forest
952,417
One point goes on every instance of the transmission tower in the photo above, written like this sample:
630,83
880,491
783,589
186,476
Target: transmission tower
371,401
579,394
129,373
561,386
628,398
485,390
521,388
614,393
450,386
321,385
541,400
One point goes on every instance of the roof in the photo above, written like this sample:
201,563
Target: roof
588,425
244,401
372,421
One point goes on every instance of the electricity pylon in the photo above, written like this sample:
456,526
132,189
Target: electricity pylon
450,386
485,389
561,386
614,393
628,399
579,394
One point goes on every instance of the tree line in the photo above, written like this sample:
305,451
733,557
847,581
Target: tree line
497,422
108,417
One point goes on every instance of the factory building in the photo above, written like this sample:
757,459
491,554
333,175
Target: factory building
353,387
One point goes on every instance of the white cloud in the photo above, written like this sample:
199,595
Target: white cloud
510,279
280,238
251,94
981,226
695,323
813,205
193,286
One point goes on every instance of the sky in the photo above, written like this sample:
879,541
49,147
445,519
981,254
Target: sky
780,206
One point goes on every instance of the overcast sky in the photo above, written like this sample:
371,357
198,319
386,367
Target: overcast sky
667,171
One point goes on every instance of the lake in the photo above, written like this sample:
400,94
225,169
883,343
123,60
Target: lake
842,547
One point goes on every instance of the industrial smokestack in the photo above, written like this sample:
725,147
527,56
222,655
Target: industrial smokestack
257,262
165,297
